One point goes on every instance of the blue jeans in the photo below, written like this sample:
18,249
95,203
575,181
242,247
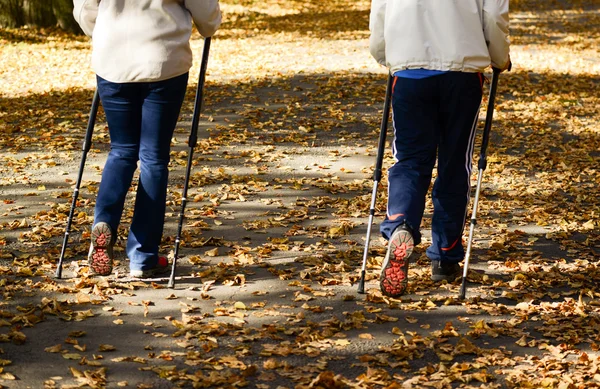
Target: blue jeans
434,118
141,119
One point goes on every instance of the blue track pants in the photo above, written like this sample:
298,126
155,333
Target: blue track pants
434,119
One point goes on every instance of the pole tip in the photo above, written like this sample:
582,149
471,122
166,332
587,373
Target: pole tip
463,289
171,283
58,273
361,283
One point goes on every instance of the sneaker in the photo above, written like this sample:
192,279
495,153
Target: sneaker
394,272
441,270
101,255
161,267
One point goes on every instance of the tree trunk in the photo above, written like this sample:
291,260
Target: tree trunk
11,13
38,13
63,11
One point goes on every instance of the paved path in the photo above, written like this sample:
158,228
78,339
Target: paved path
266,294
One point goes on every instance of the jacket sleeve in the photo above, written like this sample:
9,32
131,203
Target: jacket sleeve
85,13
377,28
495,29
206,15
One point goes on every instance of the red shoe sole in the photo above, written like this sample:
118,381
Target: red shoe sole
394,275
100,261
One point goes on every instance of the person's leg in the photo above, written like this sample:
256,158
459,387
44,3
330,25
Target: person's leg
122,106
162,103
460,99
415,115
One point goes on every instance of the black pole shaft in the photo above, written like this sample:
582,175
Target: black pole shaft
383,129
193,140
488,120
376,177
87,144
482,165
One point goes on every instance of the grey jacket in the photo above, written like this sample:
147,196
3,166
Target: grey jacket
144,40
455,35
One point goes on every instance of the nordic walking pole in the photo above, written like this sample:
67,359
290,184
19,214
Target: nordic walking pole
87,144
482,166
376,177
193,140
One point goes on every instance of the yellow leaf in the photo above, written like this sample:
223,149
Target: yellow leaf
83,298
523,341
212,253
444,357
76,373
239,305
106,347
54,349
303,297
481,376
342,342
7,376
430,304
18,337
25,272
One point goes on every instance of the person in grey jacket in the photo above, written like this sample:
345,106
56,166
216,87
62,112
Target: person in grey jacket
436,52
141,56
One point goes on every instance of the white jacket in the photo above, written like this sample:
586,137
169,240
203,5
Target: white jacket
455,35
144,40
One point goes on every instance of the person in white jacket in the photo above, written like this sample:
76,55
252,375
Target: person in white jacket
141,56
436,50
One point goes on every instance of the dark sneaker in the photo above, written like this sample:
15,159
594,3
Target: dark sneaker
101,255
161,267
441,270
394,272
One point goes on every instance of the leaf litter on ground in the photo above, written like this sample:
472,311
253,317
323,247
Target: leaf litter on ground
281,190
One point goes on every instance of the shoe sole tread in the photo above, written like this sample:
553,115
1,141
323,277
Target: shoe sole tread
100,258
394,273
